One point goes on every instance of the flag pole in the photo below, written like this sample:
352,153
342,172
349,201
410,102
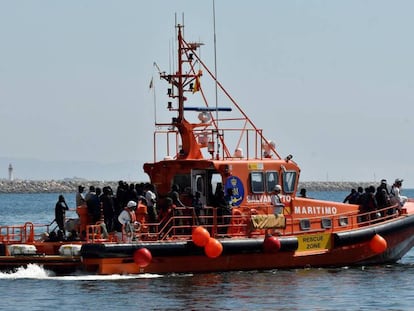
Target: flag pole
215,73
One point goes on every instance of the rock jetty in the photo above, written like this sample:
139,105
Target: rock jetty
71,185
49,186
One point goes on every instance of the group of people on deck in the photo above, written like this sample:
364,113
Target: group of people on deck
132,206
372,199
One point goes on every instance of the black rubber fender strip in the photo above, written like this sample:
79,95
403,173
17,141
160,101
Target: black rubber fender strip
184,248
2,249
363,235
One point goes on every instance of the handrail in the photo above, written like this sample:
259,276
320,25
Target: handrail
179,225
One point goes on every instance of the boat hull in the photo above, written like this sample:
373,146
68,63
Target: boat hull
350,248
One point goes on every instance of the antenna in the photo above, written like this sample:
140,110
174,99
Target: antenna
215,74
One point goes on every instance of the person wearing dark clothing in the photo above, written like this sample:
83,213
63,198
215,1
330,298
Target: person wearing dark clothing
197,204
359,195
94,206
227,211
175,196
60,209
108,208
303,193
382,195
352,197
369,204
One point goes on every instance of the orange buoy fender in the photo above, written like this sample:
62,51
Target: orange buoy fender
271,244
200,236
142,257
378,244
213,248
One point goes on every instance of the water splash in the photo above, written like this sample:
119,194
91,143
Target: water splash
33,271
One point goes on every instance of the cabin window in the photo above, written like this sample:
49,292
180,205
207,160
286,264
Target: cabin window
304,224
289,181
326,223
257,182
343,221
272,179
183,181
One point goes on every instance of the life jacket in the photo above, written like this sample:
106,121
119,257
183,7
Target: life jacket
126,228
132,215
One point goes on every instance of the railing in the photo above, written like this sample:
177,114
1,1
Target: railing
26,233
179,225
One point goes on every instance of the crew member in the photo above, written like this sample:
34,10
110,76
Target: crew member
276,201
129,222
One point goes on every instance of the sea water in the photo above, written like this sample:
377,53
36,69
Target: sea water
386,287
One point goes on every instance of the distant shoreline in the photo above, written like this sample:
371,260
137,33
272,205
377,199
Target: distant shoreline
70,186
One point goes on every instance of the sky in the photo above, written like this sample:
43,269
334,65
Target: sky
331,82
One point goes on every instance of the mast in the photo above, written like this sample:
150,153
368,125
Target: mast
191,138
180,76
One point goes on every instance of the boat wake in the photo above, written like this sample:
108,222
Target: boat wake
33,271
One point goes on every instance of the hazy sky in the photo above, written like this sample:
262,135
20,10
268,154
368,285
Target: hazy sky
330,81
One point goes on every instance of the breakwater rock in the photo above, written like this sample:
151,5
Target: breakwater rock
335,185
71,185
50,186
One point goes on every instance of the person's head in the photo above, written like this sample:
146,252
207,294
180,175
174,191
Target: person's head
197,194
61,198
175,187
383,181
92,188
132,205
142,200
81,188
277,188
303,192
398,182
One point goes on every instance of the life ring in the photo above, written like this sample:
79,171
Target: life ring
238,222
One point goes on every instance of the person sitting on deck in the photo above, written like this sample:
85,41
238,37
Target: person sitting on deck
396,196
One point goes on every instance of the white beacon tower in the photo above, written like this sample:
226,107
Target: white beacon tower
10,172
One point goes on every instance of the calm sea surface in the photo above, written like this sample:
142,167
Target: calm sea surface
363,288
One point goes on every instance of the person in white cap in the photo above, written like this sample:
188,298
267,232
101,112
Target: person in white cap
129,221
276,201
395,193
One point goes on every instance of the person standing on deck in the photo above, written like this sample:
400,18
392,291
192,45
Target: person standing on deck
94,206
151,202
276,201
129,222
60,209
80,197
